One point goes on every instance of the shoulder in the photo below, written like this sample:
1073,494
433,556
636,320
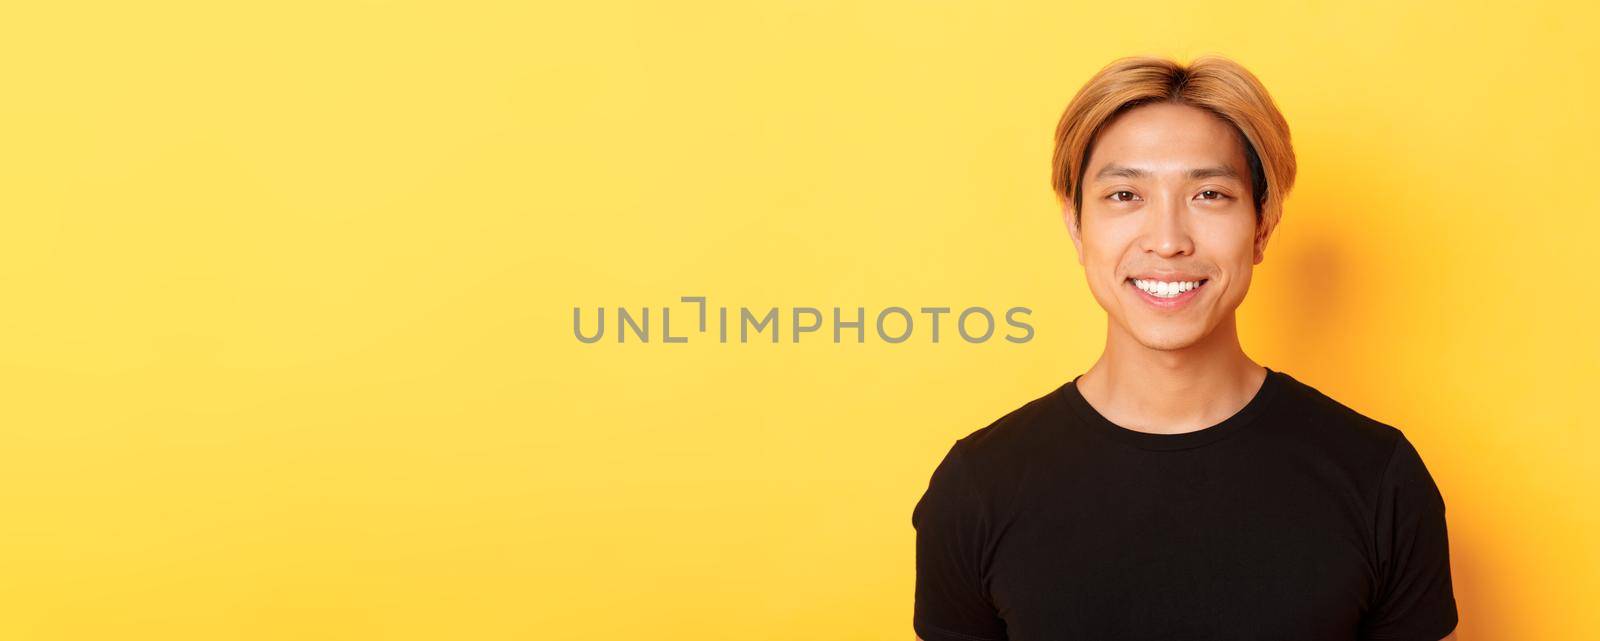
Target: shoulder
1325,416
963,483
1015,432
1000,458
1335,429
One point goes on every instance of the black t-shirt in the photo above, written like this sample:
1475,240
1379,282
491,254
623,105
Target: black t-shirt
1295,518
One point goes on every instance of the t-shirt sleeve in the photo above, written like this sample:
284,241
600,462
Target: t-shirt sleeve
952,603
1415,600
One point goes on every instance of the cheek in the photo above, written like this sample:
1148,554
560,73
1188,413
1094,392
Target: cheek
1231,242
1231,247
1101,265
1105,243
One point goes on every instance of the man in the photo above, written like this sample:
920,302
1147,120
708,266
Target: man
1178,490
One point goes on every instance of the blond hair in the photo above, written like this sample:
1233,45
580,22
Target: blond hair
1210,82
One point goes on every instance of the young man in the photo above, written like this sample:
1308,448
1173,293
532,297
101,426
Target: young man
1178,490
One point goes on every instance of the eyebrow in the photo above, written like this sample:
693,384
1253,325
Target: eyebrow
1115,170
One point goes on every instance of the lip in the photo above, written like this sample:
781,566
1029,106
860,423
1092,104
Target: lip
1170,277
1176,302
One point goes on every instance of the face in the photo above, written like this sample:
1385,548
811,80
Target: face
1167,205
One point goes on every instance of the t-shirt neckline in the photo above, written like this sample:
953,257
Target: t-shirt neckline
1096,422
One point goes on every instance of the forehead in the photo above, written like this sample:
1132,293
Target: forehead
1167,138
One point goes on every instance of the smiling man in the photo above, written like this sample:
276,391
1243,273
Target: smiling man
1178,490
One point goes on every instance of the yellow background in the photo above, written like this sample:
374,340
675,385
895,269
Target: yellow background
287,345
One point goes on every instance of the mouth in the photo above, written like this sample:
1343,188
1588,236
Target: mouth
1167,294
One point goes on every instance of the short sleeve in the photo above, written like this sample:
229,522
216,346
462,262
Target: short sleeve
951,601
1415,600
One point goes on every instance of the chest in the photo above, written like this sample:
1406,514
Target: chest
1185,551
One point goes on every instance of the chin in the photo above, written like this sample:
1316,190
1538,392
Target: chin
1168,339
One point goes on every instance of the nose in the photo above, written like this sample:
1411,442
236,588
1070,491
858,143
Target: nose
1166,231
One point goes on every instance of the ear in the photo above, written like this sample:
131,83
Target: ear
1072,228
1261,245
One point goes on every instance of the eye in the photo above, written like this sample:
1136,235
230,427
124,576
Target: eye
1114,195
1217,195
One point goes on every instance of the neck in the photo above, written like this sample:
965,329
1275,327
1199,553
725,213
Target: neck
1171,391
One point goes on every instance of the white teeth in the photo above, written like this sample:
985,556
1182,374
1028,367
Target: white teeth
1163,289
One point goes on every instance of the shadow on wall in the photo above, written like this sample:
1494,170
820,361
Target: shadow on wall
1328,305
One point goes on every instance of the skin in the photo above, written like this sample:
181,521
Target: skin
1169,371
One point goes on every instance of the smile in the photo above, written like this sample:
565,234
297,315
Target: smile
1167,294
